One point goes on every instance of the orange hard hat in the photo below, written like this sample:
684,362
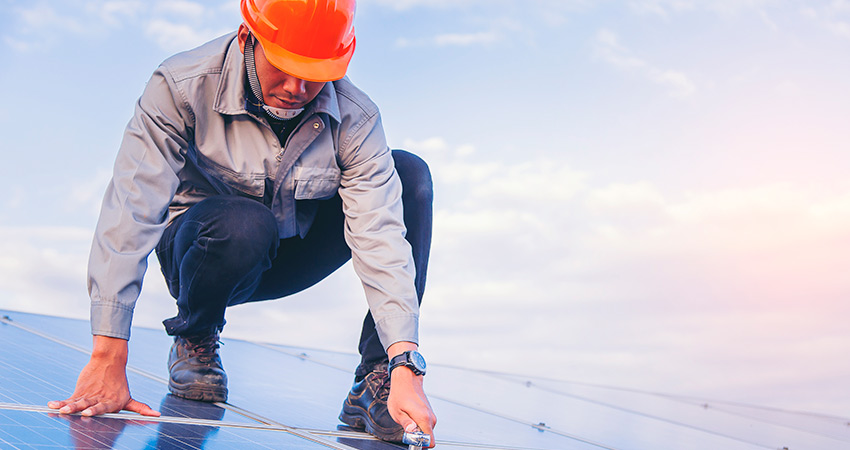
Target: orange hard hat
309,39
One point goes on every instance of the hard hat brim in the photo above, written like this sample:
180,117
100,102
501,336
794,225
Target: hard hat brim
306,68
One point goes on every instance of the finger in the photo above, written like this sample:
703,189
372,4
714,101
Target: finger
100,408
402,418
424,419
141,408
426,425
429,431
75,406
56,404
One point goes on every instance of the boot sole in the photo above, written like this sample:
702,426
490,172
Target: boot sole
199,392
357,418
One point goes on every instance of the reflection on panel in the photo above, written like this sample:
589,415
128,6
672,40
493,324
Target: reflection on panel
26,429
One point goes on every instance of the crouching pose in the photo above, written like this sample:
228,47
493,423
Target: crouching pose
255,169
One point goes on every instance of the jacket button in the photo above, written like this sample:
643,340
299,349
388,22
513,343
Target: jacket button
316,125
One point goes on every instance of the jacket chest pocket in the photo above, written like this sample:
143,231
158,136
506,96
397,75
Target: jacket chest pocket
312,183
228,181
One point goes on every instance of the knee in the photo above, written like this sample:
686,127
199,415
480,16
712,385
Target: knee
415,176
237,225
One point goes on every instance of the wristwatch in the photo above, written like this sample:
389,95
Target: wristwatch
411,359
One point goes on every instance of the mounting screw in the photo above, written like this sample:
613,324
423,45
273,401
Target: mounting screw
541,427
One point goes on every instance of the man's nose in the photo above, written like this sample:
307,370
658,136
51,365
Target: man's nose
293,85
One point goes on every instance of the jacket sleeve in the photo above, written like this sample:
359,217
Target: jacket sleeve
374,229
135,206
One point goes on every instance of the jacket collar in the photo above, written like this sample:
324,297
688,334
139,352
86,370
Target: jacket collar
231,96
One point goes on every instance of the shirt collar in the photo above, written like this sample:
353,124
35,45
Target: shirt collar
231,97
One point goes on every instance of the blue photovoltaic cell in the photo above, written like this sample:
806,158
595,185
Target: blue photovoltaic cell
304,388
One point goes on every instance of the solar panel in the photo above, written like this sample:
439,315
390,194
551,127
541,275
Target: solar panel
289,397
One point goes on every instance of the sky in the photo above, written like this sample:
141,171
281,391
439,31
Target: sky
648,194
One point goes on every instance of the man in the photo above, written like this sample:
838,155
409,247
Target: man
255,169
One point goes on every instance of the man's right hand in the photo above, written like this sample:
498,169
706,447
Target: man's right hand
102,385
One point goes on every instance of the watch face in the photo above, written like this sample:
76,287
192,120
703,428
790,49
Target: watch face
417,360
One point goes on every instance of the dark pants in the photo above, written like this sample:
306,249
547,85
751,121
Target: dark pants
226,251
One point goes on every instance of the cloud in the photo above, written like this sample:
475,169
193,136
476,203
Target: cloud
543,5
42,18
609,49
19,45
833,17
666,8
86,195
466,39
37,25
402,5
841,29
452,40
116,12
181,9
624,269
173,36
42,269
173,25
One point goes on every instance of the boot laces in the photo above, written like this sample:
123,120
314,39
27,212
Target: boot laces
204,347
382,379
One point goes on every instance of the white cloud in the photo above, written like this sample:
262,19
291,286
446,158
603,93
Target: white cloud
452,39
833,17
625,269
174,36
543,5
86,195
181,25
19,45
841,29
466,39
114,13
173,25
181,9
609,49
401,5
432,144
42,269
666,8
37,25
679,83
42,18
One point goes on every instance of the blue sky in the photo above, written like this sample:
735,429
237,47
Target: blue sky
646,193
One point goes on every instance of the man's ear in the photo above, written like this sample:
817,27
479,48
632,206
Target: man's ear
242,35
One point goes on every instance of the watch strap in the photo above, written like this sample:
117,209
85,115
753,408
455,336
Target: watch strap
404,359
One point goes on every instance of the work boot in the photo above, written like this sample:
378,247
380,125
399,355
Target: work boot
195,370
366,406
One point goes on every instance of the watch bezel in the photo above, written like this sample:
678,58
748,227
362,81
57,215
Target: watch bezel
417,360
412,359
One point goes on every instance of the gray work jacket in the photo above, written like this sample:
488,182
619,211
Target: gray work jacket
191,137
